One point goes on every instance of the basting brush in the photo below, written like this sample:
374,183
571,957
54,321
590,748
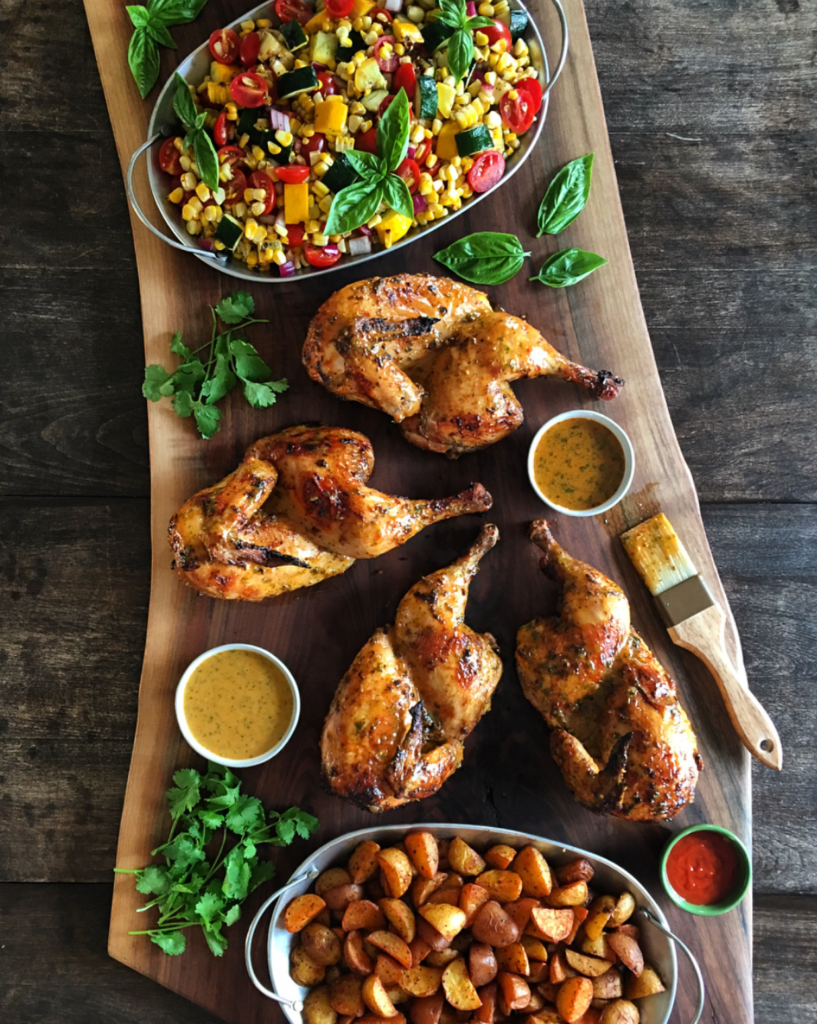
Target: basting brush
696,621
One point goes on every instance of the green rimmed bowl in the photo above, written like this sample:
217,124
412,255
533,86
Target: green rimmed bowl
742,885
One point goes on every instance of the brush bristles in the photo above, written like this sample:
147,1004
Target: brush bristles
658,555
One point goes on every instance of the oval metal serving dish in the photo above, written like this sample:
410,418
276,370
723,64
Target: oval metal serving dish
195,67
609,878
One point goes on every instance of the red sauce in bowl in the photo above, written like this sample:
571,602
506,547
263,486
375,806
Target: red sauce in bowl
703,868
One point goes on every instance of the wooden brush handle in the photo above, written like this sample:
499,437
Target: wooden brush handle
703,634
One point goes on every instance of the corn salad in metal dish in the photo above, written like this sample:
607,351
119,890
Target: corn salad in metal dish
287,97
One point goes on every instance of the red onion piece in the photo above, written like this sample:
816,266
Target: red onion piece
471,9
410,152
364,229
420,203
287,269
207,244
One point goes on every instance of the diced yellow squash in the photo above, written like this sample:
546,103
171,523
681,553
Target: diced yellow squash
360,8
322,48
445,99
320,22
369,76
330,117
222,72
392,227
296,203
446,148
407,32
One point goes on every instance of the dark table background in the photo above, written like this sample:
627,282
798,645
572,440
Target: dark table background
711,110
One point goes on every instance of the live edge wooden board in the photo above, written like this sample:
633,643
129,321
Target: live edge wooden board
508,777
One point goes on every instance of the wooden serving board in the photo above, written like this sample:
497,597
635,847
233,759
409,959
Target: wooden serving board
508,778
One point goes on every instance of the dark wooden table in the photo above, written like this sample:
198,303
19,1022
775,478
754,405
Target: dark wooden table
712,120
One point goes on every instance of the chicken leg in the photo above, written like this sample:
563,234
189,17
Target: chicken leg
620,736
415,690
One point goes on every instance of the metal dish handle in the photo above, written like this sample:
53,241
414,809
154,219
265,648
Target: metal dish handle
294,1004
701,987
165,133
563,52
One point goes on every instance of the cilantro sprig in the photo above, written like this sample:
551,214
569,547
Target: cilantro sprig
202,380
150,30
461,44
206,876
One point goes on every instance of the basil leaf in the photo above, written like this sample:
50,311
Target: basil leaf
478,22
176,12
487,257
566,196
157,31
183,103
143,60
569,266
206,160
353,206
139,16
397,195
393,132
460,54
369,166
452,12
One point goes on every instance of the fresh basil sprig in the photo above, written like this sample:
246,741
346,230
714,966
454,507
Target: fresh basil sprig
461,44
569,266
487,257
203,149
360,201
151,31
566,196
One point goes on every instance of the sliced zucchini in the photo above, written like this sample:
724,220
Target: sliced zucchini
436,34
229,232
294,35
356,44
297,81
374,99
519,22
473,140
323,48
425,98
246,126
340,174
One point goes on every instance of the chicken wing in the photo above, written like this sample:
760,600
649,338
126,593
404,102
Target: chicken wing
415,690
620,736
294,513
432,354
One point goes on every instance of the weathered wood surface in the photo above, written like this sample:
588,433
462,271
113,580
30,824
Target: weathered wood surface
722,232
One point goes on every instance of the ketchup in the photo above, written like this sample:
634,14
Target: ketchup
703,868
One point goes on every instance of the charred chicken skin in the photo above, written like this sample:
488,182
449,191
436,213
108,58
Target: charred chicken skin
295,512
415,690
432,354
620,736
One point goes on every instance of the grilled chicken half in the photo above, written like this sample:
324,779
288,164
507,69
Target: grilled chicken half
620,736
295,512
416,689
432,354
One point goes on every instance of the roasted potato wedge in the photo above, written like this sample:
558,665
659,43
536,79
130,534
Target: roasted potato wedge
429,934
331,879
389,972
648,983
574,998
322,944
427,1009
458,987
535,948
355,955
421,888
620,1011
303,970
464,859
514,959
589,966
608,985
442,957
318,1008
362,915
339,898
392,945
471,897
599,913
500,856
559,969
580,870
301,911
624,910
534,870
363,862
346,996
502,886
572,895
397,870
482,964
376,997
448,920
421,981
424,853
628,951
494,925
400,917
514,990
520,910
551,925
487,1012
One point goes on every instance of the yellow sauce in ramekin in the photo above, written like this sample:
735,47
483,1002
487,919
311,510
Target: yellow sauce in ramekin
578,464
238,704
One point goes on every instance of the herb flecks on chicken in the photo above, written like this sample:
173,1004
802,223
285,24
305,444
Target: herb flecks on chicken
620,736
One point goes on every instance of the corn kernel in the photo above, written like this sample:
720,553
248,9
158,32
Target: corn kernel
188,213
202,191
176,195
263,23
320,189
193,227
325,204
486,10
258,209
252,259
374,221
186,163
239,210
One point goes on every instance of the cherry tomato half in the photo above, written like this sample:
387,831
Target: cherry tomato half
224,45
230,155
249,90
248,49
321,256
487,171
367,141
263,181
339,8
390,63
295,234
517,113
410,173
380,14
423,151
234,188
314,144
533,89
220,129
496,32
328,86
293,174
169,157
387,102
293,10
405,78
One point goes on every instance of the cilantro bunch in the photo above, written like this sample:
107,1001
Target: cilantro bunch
461,43
150,30
206,875
202,380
